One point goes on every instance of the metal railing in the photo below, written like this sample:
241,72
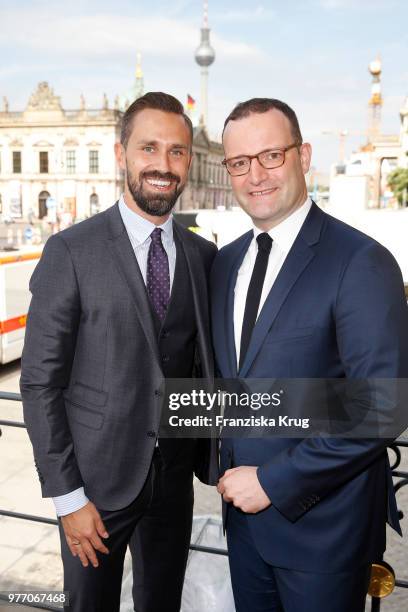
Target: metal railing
396,473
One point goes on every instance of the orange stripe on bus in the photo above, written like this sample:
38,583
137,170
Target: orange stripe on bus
15,258
12,324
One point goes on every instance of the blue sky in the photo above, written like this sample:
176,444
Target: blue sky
311,53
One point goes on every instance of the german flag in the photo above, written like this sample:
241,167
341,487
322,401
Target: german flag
190,102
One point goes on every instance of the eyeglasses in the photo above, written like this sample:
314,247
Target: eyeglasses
272,158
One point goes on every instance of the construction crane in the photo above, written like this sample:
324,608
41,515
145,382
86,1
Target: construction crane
342,136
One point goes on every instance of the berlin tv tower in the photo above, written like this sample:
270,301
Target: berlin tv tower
204,56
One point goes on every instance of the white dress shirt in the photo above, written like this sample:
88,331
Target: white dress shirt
283,236
139,230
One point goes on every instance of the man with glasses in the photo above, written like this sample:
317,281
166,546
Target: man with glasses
301,296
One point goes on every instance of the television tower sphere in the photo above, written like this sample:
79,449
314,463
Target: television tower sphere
205,54
375,67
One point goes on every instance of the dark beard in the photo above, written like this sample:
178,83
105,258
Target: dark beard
157,205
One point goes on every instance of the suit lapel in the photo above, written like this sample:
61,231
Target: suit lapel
237,258
198,281
299,257
125,259
231,271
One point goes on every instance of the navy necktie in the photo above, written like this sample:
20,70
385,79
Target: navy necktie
158,275
254,292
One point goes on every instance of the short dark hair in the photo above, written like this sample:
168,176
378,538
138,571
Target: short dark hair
156,100
262,105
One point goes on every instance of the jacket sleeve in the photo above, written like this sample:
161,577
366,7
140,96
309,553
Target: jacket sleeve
48,353
371,319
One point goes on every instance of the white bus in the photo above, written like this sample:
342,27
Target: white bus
16,268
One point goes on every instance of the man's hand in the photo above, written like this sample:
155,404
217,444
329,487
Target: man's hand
241,486
83,531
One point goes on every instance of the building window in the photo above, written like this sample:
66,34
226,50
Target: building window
93,162
16,162
70,162
94,204
44,162
42,204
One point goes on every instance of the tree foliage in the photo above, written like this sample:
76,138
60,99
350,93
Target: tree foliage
398,182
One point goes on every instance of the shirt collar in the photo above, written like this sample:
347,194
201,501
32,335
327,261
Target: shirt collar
284,234
141,228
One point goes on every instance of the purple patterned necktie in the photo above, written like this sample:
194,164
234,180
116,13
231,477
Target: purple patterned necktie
158,276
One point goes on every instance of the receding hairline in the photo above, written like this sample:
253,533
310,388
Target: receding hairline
260,106
250,113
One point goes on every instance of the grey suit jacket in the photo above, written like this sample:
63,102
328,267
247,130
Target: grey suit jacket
91,377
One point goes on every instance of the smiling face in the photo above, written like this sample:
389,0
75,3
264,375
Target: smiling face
268,196
156,162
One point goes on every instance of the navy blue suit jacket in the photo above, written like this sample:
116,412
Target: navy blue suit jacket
336,310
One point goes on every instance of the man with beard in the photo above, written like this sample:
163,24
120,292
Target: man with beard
119,304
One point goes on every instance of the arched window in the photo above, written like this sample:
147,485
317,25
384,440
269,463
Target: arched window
42,204
94,204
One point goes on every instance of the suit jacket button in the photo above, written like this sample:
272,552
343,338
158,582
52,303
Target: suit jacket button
151,434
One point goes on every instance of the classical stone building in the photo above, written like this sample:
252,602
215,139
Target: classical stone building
208,186
54,160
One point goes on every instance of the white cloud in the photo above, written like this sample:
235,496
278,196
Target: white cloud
109,35
11,70
357,5
333,4
234,50
177,7
259,13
